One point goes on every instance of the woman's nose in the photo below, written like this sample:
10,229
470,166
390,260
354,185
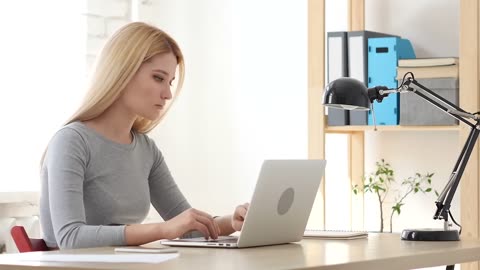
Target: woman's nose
167,93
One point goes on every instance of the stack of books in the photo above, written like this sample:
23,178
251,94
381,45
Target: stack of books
438,67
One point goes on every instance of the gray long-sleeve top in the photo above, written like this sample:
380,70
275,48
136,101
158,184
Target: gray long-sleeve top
92,187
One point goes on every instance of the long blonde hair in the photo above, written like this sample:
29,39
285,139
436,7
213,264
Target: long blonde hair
120,59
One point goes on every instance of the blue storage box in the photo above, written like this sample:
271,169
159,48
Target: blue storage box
383,55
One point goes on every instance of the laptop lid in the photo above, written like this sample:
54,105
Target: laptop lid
280,206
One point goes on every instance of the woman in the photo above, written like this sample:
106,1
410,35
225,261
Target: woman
101,171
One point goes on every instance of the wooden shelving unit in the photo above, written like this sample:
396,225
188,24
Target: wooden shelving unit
347,129
469,100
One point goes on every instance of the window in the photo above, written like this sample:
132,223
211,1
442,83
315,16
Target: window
42,67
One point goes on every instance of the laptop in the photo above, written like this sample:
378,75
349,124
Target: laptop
279,208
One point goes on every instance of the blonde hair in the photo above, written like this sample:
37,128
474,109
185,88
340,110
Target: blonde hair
121,57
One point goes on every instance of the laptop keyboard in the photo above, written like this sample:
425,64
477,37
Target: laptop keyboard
220,239
227,239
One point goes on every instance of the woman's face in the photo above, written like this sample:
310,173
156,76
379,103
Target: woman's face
148,91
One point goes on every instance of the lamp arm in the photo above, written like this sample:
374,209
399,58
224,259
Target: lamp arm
444,200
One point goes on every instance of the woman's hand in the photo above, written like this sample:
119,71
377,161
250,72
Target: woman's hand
191,220
239,216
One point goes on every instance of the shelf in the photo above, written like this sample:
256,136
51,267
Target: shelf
347,129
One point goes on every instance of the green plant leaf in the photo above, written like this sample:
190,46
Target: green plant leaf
396,208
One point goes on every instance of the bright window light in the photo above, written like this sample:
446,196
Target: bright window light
42,67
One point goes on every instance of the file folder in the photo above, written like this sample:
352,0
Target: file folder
383,55
337,60
358,64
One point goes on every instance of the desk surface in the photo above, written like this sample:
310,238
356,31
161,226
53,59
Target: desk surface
378,251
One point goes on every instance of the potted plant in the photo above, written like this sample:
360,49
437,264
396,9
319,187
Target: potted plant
381,183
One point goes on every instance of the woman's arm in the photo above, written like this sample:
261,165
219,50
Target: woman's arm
230,223
63,193
225,224
139,234
187,221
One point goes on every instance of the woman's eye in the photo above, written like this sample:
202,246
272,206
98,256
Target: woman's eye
158,78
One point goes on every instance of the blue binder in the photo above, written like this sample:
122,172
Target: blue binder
358,64
383,55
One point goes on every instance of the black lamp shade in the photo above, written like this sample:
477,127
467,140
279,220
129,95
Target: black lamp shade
347,94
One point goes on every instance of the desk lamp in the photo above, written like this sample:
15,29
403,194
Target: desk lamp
351,94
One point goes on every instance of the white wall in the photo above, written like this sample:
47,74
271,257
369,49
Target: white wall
102,18
244,98
432,26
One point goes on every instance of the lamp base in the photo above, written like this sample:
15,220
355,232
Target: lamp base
430,235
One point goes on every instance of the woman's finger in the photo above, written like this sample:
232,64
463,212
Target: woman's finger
217,226
210,225
243,213
201,228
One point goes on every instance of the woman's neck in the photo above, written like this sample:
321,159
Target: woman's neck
113,124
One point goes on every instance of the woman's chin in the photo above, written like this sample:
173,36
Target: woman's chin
153,116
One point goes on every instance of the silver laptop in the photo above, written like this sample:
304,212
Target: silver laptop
279,209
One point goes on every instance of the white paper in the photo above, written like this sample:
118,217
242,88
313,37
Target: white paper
108,258
145,250
326,234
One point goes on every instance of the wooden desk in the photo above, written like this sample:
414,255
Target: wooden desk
378,251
